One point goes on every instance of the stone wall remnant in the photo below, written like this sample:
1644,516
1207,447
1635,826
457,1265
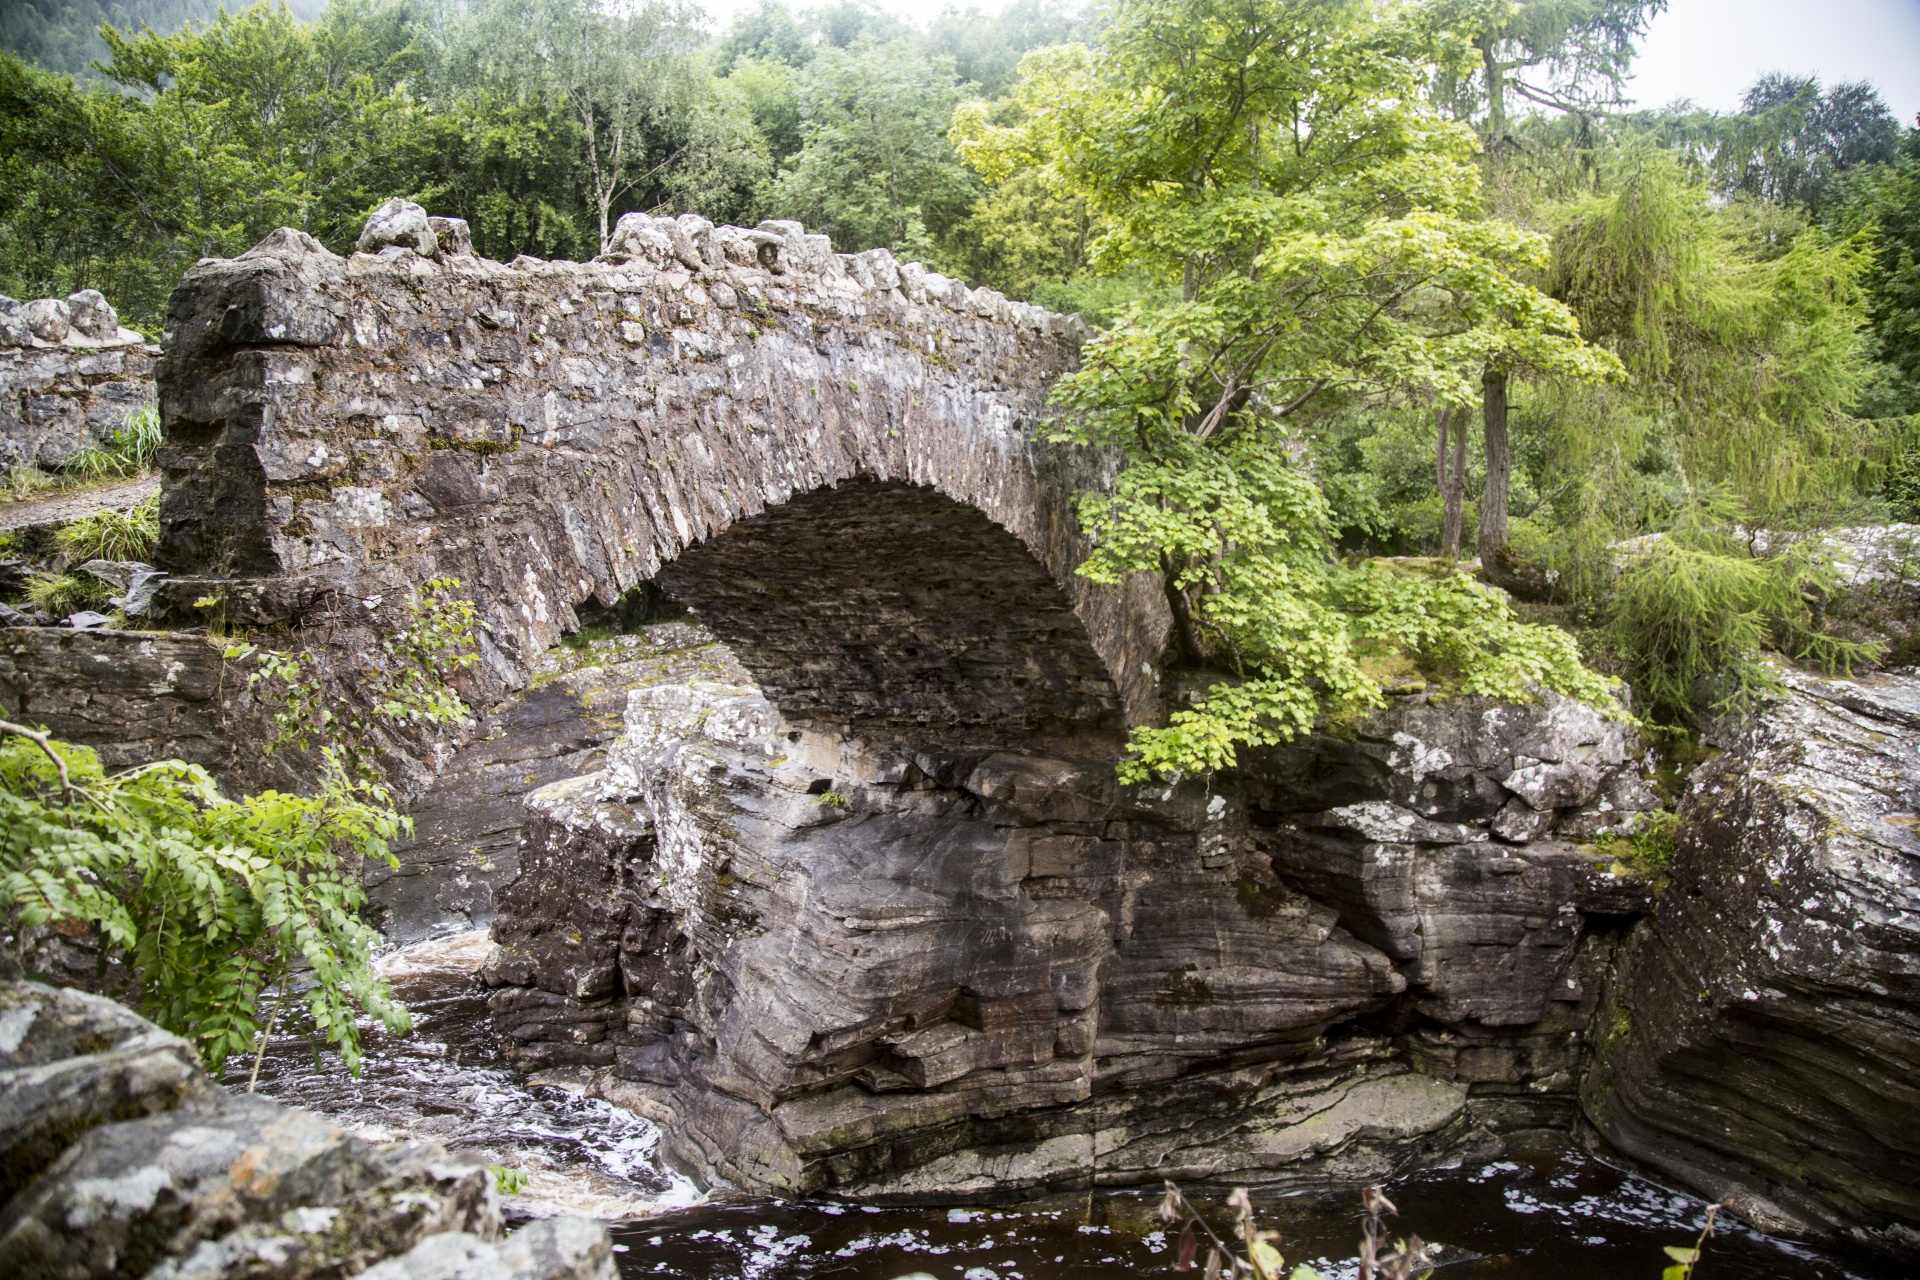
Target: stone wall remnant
70,374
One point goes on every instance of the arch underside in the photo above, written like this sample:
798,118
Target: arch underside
888,607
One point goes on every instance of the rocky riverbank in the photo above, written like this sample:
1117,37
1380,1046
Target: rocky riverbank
118,1157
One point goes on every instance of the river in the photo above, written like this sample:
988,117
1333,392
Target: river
1546,1210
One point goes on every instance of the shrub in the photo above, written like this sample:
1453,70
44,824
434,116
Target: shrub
1693,615
60,594
1902,489
200,903
130,451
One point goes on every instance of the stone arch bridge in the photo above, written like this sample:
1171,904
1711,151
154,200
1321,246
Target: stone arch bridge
829,457
884,925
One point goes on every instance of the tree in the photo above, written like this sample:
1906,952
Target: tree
875,167
620,71
1560,55
1753,352
1317,229
1791,141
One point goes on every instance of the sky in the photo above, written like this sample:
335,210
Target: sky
1706,50
1711,50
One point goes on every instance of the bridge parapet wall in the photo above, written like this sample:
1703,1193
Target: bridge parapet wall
554,432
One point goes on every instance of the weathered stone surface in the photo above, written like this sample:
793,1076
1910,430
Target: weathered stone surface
50,319
138,696
469,821
452,235
56,400
92,316
225,1183
555,433
846,964
1444,833
69,1062
551,1249
398,223
1763,1046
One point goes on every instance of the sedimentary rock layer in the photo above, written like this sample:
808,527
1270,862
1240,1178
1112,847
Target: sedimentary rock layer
1763,1045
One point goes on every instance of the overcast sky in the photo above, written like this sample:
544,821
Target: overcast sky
1706,50
1710,50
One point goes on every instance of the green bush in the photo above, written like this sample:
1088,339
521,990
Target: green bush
1902,488
200,903
130,452
60,594
1694,614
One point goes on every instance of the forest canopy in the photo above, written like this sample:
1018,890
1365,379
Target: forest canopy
1375,286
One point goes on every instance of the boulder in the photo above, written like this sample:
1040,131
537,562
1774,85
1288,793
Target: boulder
551,1249
49,318
398,222
70,1062
226,1185
452,235
92,316
14,329
1762,1044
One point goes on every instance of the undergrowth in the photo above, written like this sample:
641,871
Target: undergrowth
112,535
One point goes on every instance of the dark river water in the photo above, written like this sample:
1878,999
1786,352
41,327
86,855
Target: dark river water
1549,1212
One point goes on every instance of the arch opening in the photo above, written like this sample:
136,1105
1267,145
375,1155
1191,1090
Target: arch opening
889,608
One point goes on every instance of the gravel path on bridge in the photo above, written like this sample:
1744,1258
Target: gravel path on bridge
72,504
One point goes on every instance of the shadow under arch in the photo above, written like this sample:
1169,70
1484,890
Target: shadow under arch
888,607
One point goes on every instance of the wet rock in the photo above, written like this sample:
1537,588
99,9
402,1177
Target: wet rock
550,1249
1763,1043
224,1184
70,1062
401,223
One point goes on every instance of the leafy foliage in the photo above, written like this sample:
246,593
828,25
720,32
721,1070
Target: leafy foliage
1275,165
200,903
1694,613
409,687
59,594
875,167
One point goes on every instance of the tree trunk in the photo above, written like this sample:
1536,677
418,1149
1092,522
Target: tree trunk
1489,46
1453,487
1493,498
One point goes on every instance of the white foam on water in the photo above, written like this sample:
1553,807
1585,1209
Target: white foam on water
578,1155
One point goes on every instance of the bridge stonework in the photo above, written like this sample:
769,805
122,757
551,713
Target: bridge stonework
831,458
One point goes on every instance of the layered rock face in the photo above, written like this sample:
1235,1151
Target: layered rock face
1763,1045
828,960
119,1158
1451,835
69,376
